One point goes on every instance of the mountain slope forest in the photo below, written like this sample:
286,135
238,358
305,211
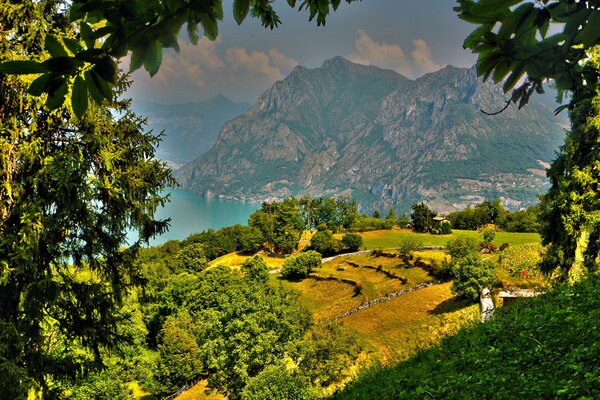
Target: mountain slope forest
385,140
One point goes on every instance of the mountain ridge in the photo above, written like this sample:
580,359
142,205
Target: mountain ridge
373,134
190,128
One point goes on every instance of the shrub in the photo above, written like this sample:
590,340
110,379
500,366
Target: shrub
358,288
488,235
325,243
408,245
278,382
352,241
298,267
256,269
446,228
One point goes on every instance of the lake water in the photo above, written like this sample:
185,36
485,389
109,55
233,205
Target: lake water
191,213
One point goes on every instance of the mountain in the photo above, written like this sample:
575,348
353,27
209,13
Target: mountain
387,141
190,129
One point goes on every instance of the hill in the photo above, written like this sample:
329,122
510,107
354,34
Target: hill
349,129
191,128
540,348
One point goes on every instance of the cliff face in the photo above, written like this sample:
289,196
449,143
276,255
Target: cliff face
347,129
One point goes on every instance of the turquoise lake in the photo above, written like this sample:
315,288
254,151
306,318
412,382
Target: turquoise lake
191,213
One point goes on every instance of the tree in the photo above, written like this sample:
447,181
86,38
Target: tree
127,26
471,274
300,266
513,40
328,353
71,189
179,354
422,217
325,243
570,221
192,258
461,246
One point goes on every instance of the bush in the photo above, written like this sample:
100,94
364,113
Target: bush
446,228
461,246
256,269
352,241
298,267
325,243
488,235
408,245
278,382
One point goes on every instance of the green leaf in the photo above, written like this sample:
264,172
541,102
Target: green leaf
87,34
501,70
62,65
93,90
102,86
210,26
335,4
57,97
138,54
22,67
54,47
153,58
107,69
513,78
73,45
39,85
240,10
590,33
79,97
292,3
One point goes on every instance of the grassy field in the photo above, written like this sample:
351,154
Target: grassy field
391,238
326,299
402,326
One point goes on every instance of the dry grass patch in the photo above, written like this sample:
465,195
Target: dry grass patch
400,327
324,299
199,392
235,260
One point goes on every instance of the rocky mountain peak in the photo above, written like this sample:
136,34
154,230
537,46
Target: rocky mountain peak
350,129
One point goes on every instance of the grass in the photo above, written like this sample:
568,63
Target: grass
235,260
324,299
198,392
400,327
542,348
391,238
140,393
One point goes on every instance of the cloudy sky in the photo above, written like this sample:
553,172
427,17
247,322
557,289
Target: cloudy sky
412,37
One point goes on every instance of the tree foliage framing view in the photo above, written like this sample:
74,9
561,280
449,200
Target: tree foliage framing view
71,189
75,178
